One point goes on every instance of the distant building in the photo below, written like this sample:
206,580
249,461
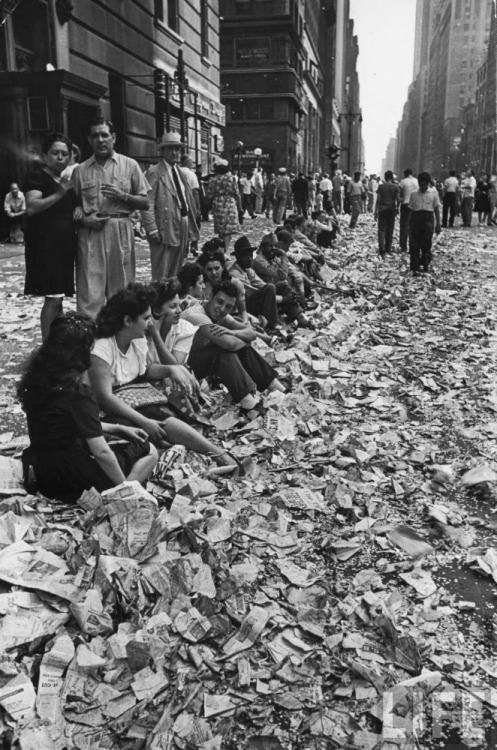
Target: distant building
62,62
272,83
389,161
450,45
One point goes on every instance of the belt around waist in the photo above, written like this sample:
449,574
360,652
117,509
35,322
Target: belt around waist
117,215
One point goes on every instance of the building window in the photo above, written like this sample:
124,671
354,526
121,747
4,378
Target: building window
204,28
252,109
166,11
226,52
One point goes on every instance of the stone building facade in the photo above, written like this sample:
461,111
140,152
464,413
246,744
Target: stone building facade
62,62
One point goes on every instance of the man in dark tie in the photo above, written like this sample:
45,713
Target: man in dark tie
170,221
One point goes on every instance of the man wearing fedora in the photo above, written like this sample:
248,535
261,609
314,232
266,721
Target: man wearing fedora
260,298
170,222
108,187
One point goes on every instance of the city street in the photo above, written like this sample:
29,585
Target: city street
387,546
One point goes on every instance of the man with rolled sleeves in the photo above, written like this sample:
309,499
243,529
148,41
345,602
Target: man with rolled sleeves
170,221
110,187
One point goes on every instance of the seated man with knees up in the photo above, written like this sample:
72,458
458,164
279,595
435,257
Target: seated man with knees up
260,298
221,347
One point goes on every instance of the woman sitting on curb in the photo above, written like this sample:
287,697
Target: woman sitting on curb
120,357
68,450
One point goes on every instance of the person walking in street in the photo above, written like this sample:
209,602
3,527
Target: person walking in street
170,220
300,191
468,188
224,199
451,186
424,217
482,202
282,195
492,197
407,185
246,195
326,187
14,206
386,210
311,193
269,194
336,192
356,191
372,190
258,189
50,239
109,187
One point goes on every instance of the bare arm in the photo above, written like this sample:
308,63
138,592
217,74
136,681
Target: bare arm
165,356
106,459
228,341
35,204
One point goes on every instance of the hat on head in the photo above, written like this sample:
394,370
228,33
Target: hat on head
222,163
269,239
282,170
170,139
243,245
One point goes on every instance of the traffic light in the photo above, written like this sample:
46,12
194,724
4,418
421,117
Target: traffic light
159,83
333,152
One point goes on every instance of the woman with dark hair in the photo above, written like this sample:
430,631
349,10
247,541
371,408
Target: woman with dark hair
208,249
191,279
50,236
120,357
223,195
68,450
170,337
215,271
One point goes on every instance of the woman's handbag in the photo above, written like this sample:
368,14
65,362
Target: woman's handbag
138,395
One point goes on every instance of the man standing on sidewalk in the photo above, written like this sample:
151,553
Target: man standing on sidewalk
407,186
282,194
468,188
110,187
451,186
171,220
385,212
356,192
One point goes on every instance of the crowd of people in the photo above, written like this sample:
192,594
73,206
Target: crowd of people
119,380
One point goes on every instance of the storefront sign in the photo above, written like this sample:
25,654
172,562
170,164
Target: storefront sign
253,53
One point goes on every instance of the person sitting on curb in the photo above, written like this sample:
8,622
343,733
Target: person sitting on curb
296,259
68,449
228,355
120,358
273,267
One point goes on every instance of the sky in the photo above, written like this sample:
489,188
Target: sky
385,31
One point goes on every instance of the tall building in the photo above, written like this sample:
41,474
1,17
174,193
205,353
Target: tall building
451,43
61,63
388,163
272,83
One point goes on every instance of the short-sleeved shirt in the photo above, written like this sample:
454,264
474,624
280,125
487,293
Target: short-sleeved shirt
248,278
64,420
120,171
178,341
451,185
125,368
407,186
388,196
197,316
427,201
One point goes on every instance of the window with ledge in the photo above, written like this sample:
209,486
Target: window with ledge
166,11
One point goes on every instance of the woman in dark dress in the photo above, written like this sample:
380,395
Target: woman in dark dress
50,236
482,204
68,450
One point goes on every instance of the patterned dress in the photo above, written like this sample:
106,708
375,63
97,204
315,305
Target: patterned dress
222,191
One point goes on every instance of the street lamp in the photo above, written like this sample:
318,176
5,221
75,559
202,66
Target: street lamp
239,151
257,154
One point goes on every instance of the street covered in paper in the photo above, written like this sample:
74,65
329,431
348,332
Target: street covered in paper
338,593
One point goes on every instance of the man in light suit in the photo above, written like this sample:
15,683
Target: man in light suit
170,220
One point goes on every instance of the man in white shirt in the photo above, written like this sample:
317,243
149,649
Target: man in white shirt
468,188
326,187
408,185
451,186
